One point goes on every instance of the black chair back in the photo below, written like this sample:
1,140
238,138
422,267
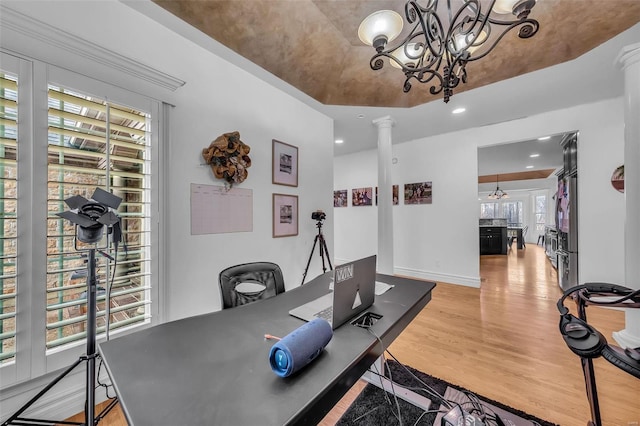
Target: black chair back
248,282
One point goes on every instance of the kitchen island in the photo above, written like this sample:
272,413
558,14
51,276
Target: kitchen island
493,236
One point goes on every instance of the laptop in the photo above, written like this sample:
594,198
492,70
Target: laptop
353,292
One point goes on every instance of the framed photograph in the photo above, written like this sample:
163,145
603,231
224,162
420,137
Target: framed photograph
340,198
417,193
285,215
362,196
285,164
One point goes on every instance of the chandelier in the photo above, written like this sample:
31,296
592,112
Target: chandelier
498,193
437,50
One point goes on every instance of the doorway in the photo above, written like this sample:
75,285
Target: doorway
517,183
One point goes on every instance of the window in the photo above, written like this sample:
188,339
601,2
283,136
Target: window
8,222
512,211
74,134
489,210
540,212
93,143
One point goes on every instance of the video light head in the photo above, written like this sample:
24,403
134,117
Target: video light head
91,216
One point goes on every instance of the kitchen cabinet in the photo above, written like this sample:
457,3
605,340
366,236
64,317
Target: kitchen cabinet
493,240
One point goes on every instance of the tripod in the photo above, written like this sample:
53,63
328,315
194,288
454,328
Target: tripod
89,358
323,252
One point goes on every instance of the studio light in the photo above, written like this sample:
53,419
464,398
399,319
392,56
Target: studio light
498,194
92,216
442,41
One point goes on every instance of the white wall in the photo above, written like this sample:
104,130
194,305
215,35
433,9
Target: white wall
218,97
440,241
429,239
355,228
209,105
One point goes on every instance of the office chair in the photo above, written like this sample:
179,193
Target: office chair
248,282
588,343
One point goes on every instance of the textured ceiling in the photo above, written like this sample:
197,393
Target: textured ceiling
313,44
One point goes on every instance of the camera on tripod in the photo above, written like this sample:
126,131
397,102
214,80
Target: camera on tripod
318,215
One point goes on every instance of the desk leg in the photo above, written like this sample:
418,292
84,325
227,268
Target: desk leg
392,387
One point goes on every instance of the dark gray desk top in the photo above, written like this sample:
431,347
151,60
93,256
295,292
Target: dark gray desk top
213,369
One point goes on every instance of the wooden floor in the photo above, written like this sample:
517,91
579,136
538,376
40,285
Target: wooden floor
502,341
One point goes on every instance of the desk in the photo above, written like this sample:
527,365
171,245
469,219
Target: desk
214,368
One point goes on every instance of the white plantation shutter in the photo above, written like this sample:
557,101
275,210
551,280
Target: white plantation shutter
8,219
95,143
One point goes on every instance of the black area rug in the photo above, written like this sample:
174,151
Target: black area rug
377,407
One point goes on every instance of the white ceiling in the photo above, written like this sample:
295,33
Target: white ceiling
516,157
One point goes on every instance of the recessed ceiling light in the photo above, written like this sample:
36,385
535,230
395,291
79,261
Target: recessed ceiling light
529,167
544,138
534,155
339,141
360,115
458,110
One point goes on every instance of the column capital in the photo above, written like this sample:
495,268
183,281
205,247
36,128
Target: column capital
628,55
385,121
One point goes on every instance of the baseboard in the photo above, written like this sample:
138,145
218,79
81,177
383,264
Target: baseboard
439,277
429,276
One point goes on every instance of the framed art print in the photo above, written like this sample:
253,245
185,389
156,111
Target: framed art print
362,196
285,164
340,198
285,215
418,193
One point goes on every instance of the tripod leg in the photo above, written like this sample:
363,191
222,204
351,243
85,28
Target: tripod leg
42,392
106,410
326,252
306,269
324,266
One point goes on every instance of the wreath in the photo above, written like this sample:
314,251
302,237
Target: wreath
228,157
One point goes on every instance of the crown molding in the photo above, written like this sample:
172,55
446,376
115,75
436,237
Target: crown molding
49,35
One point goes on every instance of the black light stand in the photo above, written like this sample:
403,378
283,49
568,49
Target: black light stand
324,252
90,221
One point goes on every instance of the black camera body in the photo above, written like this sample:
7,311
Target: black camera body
318,215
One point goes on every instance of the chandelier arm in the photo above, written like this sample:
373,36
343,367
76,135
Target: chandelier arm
528,26
417,32
422,74
412,9
431,25
477,20
435,88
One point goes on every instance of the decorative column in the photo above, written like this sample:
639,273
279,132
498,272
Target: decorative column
629,60
385,197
